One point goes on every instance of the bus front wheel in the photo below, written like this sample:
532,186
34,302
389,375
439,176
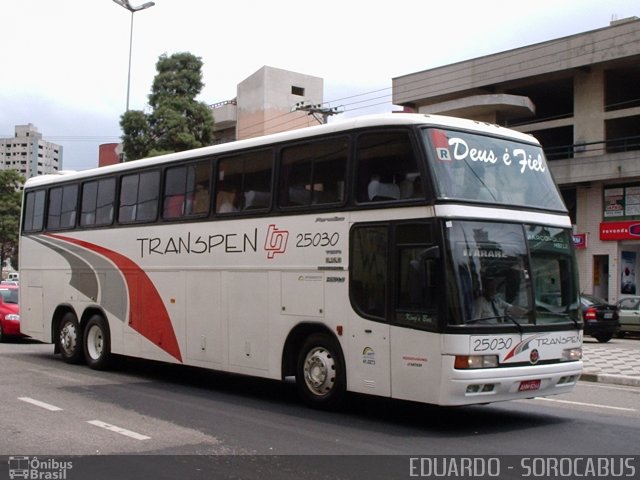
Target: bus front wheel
320,376
70,339
97,343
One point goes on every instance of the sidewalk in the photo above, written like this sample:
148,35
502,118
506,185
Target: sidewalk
616,362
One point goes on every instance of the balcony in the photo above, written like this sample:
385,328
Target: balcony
596,161
225,114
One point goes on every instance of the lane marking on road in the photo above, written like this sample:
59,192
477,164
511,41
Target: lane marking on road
53,375
38,403
595,405
121,431
609,387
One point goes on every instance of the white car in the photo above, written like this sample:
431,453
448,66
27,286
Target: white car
629,314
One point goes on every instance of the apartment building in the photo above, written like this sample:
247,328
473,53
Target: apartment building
580,96
29,154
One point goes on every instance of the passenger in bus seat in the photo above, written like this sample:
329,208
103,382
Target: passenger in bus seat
174,206
227,201
201,199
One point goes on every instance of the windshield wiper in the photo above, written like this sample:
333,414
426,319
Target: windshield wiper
563,315
497,317
510,318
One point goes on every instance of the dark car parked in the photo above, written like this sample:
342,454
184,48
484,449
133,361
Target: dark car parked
600,318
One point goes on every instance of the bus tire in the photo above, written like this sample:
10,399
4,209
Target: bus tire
320,372
97,343
70,339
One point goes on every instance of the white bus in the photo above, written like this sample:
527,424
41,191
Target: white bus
358,256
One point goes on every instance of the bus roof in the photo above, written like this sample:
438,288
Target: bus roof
379,120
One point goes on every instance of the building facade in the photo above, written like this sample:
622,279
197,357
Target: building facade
266,103
580,96
29,154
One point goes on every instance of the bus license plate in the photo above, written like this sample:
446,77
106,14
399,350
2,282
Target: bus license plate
528,385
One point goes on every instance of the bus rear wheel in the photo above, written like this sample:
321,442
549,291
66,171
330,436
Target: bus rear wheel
97,343
70,339
320,375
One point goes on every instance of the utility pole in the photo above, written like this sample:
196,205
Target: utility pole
319,113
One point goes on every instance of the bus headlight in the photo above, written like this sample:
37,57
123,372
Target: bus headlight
13,316
463,362
571,354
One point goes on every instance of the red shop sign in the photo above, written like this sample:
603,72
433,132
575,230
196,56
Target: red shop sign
580,240
620,230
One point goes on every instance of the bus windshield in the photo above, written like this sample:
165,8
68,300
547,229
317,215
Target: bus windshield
510,274
479,168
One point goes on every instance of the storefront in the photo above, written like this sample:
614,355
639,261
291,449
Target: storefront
621,224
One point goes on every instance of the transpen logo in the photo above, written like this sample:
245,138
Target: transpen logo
276,241
522,346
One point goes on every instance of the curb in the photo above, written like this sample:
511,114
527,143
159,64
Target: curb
611,379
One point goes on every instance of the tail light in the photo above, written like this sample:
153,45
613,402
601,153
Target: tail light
590,314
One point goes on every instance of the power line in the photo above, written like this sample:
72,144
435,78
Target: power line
320,113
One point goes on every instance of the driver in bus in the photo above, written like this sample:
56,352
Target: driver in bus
489,304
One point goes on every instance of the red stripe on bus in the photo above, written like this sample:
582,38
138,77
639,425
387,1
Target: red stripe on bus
147,313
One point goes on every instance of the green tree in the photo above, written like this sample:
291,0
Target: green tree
10,200
177,121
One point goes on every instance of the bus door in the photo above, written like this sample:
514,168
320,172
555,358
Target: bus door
415,347
368,335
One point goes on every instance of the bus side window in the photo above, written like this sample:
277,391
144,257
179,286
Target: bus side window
63,202
98,198
34,211
313,173
186,191
139,197
244,182
387,168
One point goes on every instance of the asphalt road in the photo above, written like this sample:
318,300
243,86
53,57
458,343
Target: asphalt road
190,422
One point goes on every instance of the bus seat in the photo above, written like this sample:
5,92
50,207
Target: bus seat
383,191
255,199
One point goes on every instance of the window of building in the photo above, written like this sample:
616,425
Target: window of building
622,88
299,91
139,197
623,134
621,202
553,100
557,142
313,173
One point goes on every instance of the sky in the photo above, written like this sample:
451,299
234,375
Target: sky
65,62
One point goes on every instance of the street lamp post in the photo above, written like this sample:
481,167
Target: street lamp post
132,9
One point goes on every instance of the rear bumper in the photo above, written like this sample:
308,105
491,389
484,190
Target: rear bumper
595,327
